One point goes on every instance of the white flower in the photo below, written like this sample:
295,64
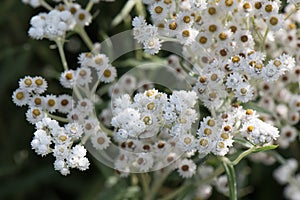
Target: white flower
292,191
288,134
40,84
108,74
41,142
74,130
285,172
20,97
82,17
77,158
85,106
244,92
64,103
68,79
100,140
83,76
143,162
51,103
61,166
186,168
222,184
152,46
61,151
34,115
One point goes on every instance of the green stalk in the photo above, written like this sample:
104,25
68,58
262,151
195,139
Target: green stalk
230,172
84,36
46,5
57,118
60,43
89,6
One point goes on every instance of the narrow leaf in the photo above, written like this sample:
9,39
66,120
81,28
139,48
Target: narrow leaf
265,148
229,169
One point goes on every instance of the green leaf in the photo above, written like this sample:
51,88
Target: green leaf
265,148
229,169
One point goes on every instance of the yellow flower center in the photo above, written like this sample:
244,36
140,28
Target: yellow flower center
186,19
100,140
203,142
172,25
107,73
51,102
20,95
186,33
28,82
211,122
39,82
158,9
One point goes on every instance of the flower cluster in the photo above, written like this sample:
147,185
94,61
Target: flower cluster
215,134
58,21
154,124
232,52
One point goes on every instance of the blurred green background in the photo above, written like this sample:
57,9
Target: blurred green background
23,174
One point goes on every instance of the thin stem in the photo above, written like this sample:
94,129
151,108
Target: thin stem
66,2
59,42
292,12
84,36
145,184
140,8
158,181
58,118
46,5
89,6
255,29
183,188
278,157
264,39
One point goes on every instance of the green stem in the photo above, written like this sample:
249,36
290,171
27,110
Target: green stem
242,155
145,184
89,6
58,118
84,36
230,172
140,8
278,157
262,46
255,29
60,43
46,5
158,181
206,180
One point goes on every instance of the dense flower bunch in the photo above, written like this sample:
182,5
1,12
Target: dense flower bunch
152,113
238,57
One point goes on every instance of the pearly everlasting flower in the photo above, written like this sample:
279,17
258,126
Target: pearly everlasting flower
41,142
68,79
186,168
285,172
288,135
61,166
34,115
20,97
51,25
100,140
292,190
77,158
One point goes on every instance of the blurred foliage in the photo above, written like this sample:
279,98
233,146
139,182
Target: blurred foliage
24,175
